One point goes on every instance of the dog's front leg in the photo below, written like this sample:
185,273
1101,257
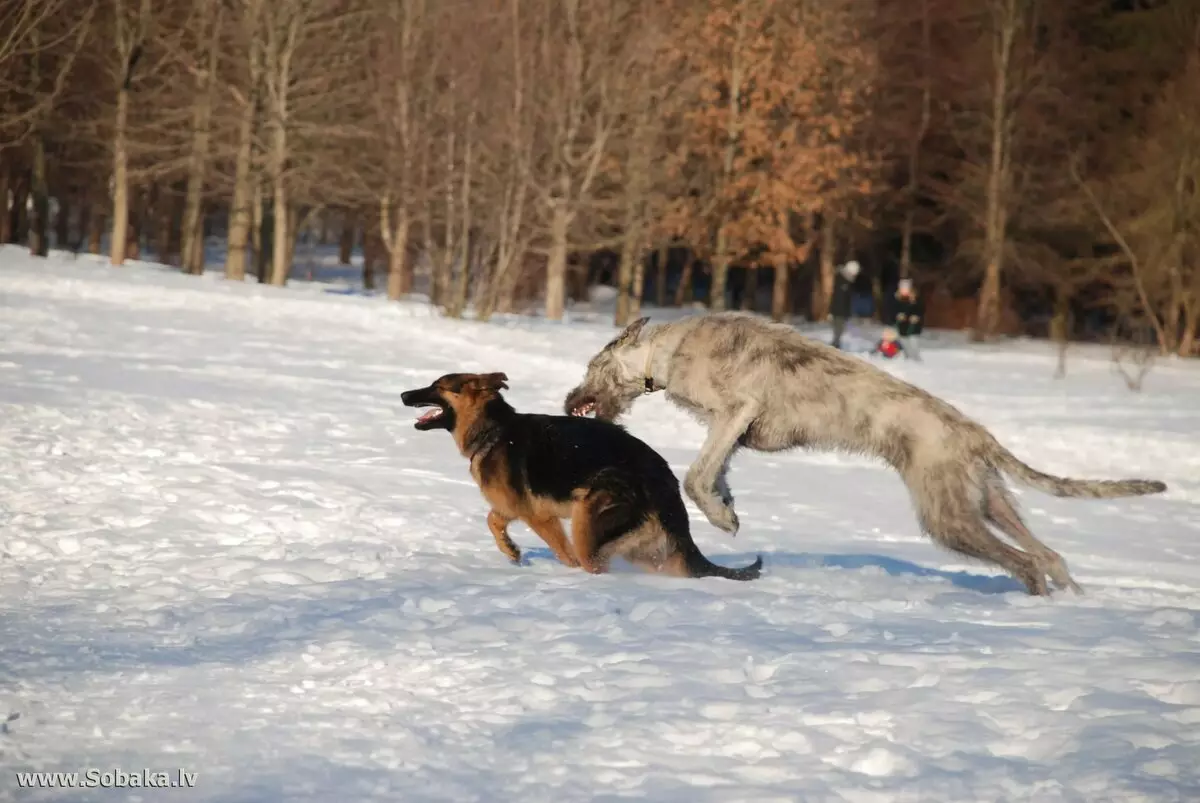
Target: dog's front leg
705,483
551,531
498,524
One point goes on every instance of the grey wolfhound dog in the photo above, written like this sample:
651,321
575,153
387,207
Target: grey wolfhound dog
765,386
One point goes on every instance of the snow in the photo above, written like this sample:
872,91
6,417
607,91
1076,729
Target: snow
224,549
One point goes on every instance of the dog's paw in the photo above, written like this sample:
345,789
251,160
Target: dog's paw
723,518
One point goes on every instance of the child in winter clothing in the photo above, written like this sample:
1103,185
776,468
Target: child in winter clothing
908,312
889,345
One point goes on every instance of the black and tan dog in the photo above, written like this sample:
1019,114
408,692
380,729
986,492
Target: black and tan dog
619,494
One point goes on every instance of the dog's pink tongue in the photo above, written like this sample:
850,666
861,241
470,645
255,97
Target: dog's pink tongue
429,416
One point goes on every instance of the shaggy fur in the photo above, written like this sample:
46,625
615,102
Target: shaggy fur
764,386
620,495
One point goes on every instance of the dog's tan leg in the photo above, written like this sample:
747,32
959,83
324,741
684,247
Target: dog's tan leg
550,530
1001,511
583,536
498,524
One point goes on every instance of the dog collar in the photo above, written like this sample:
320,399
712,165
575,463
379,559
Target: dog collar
647,379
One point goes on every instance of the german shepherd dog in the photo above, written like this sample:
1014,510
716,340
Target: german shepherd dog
764,386
620,495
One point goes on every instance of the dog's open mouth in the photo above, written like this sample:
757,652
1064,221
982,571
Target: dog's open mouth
432,414
587,408
433,417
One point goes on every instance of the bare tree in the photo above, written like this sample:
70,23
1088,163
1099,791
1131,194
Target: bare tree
131,26
241,208
507,167
582,70
283,23
404,55
208,23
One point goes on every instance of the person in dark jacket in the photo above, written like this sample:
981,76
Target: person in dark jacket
840,303
908,316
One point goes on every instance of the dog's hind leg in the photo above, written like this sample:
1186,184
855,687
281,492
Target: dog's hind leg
1001,510
972,538
705,483
498,524
550,530
955,521
599,524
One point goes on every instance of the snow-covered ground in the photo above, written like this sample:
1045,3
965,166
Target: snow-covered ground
224,549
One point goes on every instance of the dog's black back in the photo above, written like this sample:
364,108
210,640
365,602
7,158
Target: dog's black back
555,455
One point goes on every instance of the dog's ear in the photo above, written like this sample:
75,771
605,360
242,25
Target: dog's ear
629,334
493,381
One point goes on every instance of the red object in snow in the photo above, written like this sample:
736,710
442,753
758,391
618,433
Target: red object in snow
889,348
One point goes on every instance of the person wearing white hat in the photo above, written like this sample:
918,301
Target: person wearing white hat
840,303
908,318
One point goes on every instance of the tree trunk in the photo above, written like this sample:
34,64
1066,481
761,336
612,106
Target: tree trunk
18,219
370,249
1172,318
395,240
120,205
400,278
684,292
556,267
660,275
823,286
281,203
39,223
5,189
733,127
458,303
996,214
292,237
137,217
1187,339
780,297
95,228
241,213
720,272
85,222
62,223
988,312
912,188
164,210
368,269
462,285
346,238
193,209
639,286
750,290
625,270
1060,329
264,234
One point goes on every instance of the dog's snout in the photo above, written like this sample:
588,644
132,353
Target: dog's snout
411,397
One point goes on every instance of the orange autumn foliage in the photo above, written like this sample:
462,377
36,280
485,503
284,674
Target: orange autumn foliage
772,136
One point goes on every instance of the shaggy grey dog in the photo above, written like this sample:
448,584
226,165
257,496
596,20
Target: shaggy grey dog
765,386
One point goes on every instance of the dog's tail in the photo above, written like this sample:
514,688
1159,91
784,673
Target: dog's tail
1005,461
700,566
